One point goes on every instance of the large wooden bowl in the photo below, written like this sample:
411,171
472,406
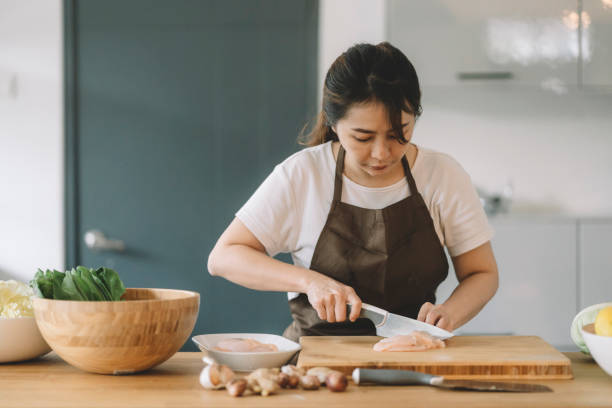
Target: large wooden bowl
137,333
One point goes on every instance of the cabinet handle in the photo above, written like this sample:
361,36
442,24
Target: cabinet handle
491,75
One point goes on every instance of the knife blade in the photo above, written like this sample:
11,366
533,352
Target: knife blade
407,377
391,324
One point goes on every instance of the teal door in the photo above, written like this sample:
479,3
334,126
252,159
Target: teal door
177,110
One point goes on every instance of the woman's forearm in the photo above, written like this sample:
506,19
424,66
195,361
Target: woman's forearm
470,296
253,269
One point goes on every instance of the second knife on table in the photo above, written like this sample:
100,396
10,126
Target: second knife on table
407,377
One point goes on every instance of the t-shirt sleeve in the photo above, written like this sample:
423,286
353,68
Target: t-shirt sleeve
463,219
269,213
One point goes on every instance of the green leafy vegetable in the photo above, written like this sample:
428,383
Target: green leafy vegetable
43,282
100,285
70,288
85,284
58,292
80,283
112,282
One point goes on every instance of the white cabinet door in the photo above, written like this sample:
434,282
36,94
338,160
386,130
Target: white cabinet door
595,260
537,287
535,41
597,43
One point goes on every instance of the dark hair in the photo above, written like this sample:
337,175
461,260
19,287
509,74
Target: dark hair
367,73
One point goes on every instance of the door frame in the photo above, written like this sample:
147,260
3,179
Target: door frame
71,157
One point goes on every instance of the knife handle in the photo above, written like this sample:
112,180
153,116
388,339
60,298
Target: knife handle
392,377
377,315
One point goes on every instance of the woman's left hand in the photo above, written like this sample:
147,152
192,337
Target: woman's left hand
436,315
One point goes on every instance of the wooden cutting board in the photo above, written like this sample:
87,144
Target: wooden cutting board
465,357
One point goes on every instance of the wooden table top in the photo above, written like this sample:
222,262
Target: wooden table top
50,382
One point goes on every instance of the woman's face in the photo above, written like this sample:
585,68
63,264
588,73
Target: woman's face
372,151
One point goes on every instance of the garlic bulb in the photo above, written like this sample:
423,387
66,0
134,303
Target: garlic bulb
215,376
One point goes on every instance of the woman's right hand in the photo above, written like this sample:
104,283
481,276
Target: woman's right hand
330,297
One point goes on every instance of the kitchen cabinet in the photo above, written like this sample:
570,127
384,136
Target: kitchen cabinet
597,41
533,42
536,259
595,262
550,268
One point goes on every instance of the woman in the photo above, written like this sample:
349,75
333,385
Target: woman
359,226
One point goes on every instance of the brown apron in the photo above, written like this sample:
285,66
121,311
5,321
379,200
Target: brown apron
392,257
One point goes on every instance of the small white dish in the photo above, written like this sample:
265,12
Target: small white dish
21,340
240,361
584,317
599,346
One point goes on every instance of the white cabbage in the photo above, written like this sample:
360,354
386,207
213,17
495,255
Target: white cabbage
15,300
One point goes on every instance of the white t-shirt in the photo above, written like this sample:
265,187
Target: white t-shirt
288,211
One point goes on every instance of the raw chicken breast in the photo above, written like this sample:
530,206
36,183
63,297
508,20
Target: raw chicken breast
415,341
244,346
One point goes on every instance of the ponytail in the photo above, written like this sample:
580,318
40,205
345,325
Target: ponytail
321,133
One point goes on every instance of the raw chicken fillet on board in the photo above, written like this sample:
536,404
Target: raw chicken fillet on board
415,341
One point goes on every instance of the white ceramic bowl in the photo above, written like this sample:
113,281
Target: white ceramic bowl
248,361
584,317
21,340
599,346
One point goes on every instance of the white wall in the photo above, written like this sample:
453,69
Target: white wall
343,23
31,137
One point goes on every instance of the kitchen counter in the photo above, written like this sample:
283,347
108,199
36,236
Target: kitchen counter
49,382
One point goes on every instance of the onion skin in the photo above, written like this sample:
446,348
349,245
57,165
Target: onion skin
336,382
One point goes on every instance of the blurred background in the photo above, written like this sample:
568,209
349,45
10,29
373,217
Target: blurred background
131,132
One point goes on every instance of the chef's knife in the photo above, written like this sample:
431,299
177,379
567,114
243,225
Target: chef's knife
406,377
391,324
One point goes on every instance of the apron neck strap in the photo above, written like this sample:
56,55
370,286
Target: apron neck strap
408,173
338,178
340,170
